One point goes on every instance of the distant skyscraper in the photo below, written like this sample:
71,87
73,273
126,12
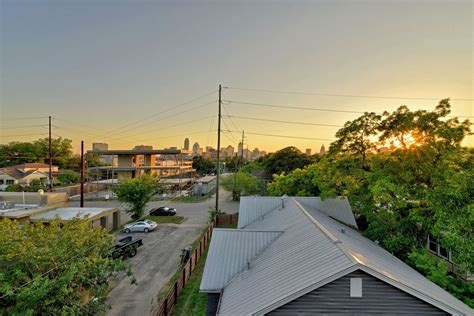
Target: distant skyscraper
196,150
186,144
308,151
322,151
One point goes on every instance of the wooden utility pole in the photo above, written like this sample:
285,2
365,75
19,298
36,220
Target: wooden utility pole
242,150
50,150
82,173
218,150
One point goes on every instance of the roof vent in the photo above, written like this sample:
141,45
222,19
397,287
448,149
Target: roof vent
248,265
376,242
343,230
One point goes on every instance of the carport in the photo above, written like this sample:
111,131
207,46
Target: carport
95,215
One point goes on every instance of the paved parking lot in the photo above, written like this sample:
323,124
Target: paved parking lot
157,260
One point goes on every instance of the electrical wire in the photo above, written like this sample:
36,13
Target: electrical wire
347,95
288,122
282,136
296,107
161,112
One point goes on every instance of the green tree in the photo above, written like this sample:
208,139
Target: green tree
60,269
61,150
69,177
241,183
203,165
286,160
136,193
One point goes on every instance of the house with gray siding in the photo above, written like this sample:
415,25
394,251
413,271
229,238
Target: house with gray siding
304,256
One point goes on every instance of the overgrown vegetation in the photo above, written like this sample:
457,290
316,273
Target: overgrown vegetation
60,269
166,219
407,176
191,301
242,183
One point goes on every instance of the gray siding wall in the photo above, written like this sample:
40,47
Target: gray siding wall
377,298
212,303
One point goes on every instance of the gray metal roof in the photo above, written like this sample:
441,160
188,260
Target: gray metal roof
229,252
311,252
252,208
337,208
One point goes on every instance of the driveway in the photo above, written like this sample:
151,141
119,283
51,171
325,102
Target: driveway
157,260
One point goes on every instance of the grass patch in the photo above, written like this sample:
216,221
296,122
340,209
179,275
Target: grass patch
165,289
190,301
166,219
192,199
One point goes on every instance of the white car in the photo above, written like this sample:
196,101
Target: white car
140,226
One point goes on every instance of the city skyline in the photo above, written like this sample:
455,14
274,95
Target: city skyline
116,74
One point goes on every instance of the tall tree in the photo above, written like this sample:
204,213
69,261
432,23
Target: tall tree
136,193
60,269
286,160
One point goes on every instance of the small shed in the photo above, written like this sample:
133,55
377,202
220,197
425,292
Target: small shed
205,185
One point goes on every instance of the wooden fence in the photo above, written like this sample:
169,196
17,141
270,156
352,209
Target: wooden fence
172,297
227,218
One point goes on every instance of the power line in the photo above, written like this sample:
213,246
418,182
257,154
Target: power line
22,135
282,136
297,107
161,112
346,95
24,118
24,126
153,122
288,122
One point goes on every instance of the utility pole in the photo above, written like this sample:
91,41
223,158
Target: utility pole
218,150
50,159
82,173
242,150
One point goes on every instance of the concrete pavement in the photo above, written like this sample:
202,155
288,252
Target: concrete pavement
157,260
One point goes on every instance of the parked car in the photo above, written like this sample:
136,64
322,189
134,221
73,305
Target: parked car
163,211
126,248
140,226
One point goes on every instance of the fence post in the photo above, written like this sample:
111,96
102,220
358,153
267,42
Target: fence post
195,256
190,265
166,306
175,292
184,276
200,248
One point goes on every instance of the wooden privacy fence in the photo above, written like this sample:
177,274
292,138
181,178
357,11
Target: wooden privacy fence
227,218
172,297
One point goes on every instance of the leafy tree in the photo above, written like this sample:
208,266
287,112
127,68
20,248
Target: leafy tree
14,188
242,183
203,165
286,160
15,153
60,269
136,193
69,177
61,150
234,163
422,184
355,136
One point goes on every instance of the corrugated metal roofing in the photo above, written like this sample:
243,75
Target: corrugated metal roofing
289,264
311,252
252,208
229,252
337,208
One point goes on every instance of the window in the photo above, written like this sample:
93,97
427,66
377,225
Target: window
432,245
437,249
10,181
1,181
356,287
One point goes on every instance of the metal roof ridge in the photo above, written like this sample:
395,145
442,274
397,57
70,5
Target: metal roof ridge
326,232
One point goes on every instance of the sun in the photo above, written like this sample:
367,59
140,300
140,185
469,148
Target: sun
404,141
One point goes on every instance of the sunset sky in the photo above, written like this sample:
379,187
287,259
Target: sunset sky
102,68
